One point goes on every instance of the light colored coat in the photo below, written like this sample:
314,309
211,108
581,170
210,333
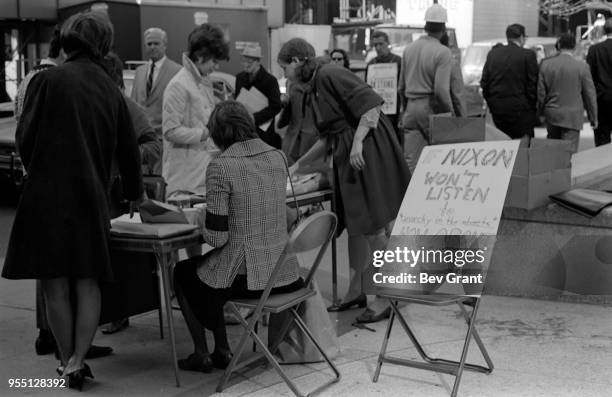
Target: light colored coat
246,216
188,103
153,103
565,89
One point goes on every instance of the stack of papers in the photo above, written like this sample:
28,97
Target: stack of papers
149,230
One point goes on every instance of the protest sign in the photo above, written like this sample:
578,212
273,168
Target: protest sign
445,229
382,77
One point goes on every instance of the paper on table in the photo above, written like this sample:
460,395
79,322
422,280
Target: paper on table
147,230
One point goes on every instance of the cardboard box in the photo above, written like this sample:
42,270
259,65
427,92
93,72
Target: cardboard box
543,155
444,129
532,191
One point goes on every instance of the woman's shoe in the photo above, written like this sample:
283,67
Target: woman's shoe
77,378
221,359
196,363
368,316
361,302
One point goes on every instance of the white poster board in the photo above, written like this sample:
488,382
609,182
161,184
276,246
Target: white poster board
382,77
457,189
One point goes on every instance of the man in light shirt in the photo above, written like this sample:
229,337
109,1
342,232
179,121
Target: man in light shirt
152,78
424,84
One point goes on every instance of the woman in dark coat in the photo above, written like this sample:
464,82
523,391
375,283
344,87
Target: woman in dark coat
67,136
370,173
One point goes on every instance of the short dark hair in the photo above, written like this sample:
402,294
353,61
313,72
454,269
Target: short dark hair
90,32
345,61
435,27
379,33
608,26
566,41
54,44
114,68
229,123
515,31
207,42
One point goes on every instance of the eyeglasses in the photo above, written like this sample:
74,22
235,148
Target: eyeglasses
337,59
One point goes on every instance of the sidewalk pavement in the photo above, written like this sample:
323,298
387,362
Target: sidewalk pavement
539,348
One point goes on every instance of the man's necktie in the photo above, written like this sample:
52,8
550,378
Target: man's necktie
150,79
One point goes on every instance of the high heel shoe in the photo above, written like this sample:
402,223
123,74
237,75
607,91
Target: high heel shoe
77,378
361,302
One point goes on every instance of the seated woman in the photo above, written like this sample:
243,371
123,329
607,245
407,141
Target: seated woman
245,223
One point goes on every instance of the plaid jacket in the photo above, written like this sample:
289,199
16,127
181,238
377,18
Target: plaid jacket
246,216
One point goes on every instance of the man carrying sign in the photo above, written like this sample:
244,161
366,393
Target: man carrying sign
380,42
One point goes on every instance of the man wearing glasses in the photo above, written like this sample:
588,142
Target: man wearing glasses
255,78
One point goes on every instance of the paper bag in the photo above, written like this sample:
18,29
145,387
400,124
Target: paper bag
296,347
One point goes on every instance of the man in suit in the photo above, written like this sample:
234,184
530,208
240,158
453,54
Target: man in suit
509,84
599,59
255,76
152,78
565,88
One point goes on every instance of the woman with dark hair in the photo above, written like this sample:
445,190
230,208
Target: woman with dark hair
339,57
73,127
188,101
370,173
246,225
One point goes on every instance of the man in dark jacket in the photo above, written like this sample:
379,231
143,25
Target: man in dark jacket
509,84
256,78
599,59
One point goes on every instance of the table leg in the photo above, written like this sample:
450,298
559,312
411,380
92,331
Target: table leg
164,265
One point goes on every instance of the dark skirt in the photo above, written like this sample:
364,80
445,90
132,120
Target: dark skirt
369,199
207,302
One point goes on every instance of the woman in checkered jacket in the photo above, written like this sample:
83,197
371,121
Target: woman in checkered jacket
246,223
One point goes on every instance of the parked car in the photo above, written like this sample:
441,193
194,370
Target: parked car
11,167
474,59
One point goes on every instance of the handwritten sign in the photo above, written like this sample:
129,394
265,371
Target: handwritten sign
457,189
382,77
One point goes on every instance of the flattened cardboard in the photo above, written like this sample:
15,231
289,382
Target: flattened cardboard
529,192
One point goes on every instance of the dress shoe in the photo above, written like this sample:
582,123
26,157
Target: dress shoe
368,316
196,363
45,343
77,378
221,359
116,326
361,302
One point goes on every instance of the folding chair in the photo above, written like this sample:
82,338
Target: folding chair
313,232
435,364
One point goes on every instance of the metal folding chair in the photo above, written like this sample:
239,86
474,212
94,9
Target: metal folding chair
316,231
435,364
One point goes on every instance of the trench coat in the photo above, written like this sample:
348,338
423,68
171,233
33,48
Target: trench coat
74,121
